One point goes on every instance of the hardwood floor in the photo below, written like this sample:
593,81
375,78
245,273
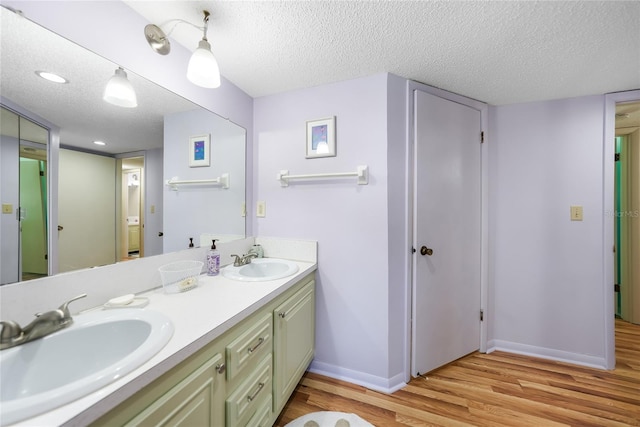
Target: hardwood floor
497,389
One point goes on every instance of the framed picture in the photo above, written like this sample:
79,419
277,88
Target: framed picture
321,138
199,151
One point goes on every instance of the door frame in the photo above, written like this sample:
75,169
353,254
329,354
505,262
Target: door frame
608,237
53,147
484,211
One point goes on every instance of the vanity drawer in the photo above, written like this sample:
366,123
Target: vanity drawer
262,417
251,346
243,403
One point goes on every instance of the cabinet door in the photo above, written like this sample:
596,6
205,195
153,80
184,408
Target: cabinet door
198,400
134,238
294,342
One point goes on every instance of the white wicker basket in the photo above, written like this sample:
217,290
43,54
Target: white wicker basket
180,276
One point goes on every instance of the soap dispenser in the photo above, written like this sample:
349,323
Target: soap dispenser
213,260
257,251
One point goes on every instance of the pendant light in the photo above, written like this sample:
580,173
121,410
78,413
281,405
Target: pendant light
119,90
203,68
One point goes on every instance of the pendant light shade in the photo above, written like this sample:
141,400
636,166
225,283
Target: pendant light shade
203,68
119,90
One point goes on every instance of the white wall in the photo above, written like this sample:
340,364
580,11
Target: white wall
547,271
349,221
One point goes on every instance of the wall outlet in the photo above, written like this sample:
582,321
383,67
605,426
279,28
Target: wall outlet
261,209
7,208
576,213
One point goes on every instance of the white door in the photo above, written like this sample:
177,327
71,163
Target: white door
86,210
447,232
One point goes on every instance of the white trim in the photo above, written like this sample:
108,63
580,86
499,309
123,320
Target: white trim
547,353
484,266
608,183
383,385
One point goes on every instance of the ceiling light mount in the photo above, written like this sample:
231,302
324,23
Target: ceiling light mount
157,39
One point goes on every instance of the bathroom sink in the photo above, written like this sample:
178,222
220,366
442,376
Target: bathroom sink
98,348
261,269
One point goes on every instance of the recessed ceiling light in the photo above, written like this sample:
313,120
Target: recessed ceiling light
99,143
52,77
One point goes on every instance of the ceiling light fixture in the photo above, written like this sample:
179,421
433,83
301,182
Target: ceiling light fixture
203,68
99,143
55,78
119,90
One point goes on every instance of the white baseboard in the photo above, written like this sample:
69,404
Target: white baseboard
383,385
547,353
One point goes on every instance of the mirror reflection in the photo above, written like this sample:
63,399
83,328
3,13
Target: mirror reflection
69,203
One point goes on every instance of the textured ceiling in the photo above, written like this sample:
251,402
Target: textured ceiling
497,52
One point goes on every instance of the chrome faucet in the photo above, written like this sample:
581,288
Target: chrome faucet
44,324
239,261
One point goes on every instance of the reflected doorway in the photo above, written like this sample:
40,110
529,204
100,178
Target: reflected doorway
24,191
33,210
131,233
627,212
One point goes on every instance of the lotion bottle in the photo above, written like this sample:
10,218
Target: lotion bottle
213,260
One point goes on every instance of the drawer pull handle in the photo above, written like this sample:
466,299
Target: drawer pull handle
255,347
282,314
253,396
220,368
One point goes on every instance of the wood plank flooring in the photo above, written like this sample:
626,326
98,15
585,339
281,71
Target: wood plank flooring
497,389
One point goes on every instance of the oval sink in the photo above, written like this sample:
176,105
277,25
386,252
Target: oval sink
98,348
261,269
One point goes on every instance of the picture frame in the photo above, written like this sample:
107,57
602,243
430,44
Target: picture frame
321,138
199,151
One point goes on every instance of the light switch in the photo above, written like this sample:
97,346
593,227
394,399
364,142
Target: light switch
153,208
261,209
7,208
243,210
576,213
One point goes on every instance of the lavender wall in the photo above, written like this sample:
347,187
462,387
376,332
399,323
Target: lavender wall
194,210
153,197
547,271
349,221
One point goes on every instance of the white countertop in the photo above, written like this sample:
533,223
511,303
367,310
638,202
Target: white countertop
199,316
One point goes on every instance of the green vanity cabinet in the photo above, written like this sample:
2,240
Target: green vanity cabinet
192,393
241,379
294,342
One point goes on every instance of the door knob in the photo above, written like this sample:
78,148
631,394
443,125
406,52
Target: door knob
426,251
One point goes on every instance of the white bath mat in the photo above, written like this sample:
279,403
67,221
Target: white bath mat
329,419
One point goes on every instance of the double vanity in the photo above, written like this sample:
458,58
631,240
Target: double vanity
228,352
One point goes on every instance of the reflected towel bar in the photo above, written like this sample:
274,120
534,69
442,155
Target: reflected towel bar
223,180
362,174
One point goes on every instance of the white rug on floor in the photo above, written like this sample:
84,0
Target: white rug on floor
329,419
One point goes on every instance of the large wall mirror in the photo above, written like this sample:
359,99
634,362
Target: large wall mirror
68,203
